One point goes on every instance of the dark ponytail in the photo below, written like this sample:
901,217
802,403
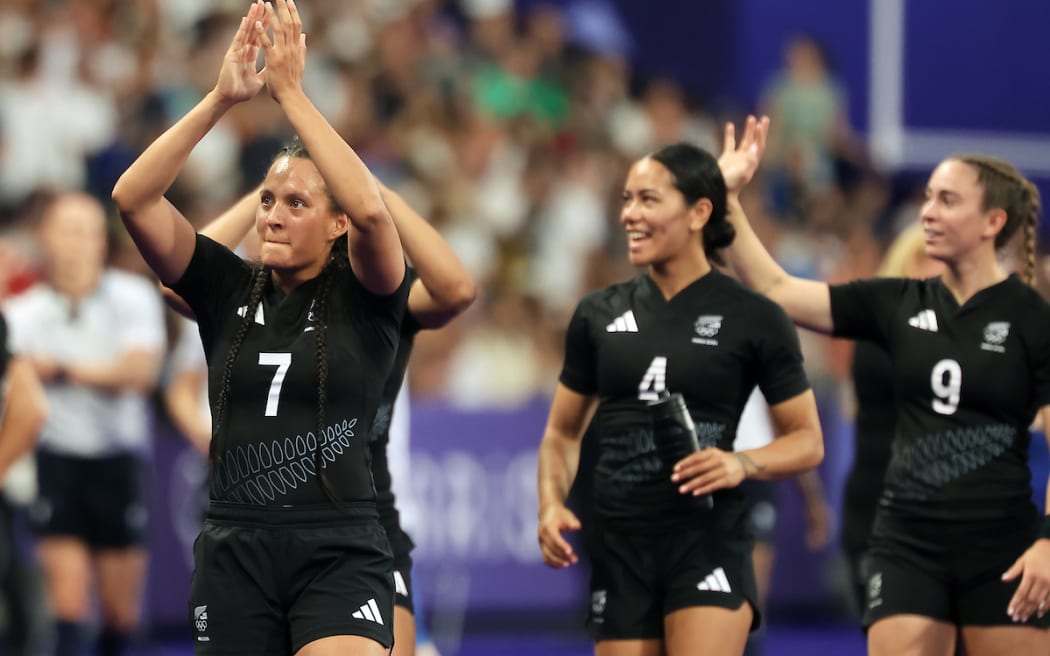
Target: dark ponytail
696,175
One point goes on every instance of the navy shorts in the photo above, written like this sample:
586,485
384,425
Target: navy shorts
101,501
270,580
639,579
958,582
401,545
761,506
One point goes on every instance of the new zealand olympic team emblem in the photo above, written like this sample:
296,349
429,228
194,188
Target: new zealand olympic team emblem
708,325
996,332
598,602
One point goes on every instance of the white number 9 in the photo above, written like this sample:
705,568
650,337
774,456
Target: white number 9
946,381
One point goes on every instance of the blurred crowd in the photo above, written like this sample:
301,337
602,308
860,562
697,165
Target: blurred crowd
508,125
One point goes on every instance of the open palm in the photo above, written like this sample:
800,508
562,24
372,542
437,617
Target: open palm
239,80
740,161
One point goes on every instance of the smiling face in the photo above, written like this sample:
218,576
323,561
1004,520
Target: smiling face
659,225
954,220
296,220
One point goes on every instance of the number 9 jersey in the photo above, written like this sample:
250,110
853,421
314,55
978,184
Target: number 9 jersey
713,342
968,381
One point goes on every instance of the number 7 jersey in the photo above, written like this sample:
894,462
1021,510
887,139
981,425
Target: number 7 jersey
713,342
968,381
267,451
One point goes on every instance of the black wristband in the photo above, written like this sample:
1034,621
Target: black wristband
1044,528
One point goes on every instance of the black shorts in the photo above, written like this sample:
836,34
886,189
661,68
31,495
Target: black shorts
401,545
959,584
269,580
101,501
761,507
637,580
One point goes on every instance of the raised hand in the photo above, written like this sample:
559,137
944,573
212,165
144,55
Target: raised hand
740,161
238,78
285,53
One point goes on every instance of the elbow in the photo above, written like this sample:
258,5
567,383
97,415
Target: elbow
371,217
815,453
121,196
462,294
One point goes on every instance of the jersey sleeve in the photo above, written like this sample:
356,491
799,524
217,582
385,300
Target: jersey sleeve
213,280
388,308
1040,354
410,326
780,372
378,317
862,309
579,370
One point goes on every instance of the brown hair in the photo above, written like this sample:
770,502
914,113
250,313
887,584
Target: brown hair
1006,189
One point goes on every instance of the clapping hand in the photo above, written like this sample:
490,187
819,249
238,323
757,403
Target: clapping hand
285,53
238,78
740,161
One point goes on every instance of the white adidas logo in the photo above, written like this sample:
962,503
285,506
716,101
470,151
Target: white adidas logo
400,587
624,323
369,611
241,311
925,320
716,581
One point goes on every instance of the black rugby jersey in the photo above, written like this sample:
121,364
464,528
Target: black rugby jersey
385,503
967,382
872,373
267,454
712,342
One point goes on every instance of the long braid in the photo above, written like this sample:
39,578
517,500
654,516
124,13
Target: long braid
260,275
1029,248
320,307
321,344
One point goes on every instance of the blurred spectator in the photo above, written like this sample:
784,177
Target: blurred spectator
809,126
23,409
95,337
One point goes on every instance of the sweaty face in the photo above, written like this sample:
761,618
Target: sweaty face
295,219
953,220
659,225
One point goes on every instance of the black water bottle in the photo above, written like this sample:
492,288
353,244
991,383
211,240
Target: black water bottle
675,435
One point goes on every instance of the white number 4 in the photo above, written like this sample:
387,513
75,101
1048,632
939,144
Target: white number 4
282,361
654,381
946,381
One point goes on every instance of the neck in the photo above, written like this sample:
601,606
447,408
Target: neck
675,275
288,279
967,277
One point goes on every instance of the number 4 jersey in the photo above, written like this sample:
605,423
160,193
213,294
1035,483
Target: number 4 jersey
270,438
967,382
713,342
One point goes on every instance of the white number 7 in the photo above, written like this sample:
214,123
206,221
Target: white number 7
282,361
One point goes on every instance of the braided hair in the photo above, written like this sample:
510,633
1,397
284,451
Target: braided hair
339,259
1005,188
